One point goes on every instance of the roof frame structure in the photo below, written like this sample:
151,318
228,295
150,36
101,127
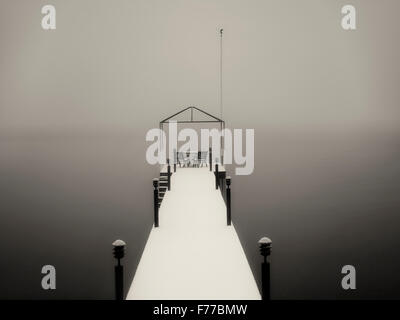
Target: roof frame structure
191,108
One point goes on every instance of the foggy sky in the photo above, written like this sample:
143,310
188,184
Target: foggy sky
76,103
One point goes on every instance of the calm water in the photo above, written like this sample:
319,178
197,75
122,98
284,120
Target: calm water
325,200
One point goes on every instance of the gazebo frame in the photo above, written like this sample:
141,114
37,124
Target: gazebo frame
192,120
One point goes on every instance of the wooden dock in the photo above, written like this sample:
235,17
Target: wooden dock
193,254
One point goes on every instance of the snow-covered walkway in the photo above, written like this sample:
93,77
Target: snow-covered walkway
193,254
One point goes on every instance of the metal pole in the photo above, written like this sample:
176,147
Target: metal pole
161,143
265,250
223,143
119,251
221,152
216,175
228,201
175,159
220,70
210,156
169,175
155,193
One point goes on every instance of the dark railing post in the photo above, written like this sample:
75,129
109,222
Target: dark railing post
265,250
119,250
198,158
169,175
175,159
228,201
216,175
210,156
155,185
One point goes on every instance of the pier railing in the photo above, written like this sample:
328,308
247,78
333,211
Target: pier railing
163,184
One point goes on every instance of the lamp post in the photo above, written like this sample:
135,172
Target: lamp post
216,174
265,250
119,252
155,197
210,157
228,201
169,175
175,159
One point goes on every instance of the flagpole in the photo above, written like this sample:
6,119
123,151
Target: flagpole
222,146
220,74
